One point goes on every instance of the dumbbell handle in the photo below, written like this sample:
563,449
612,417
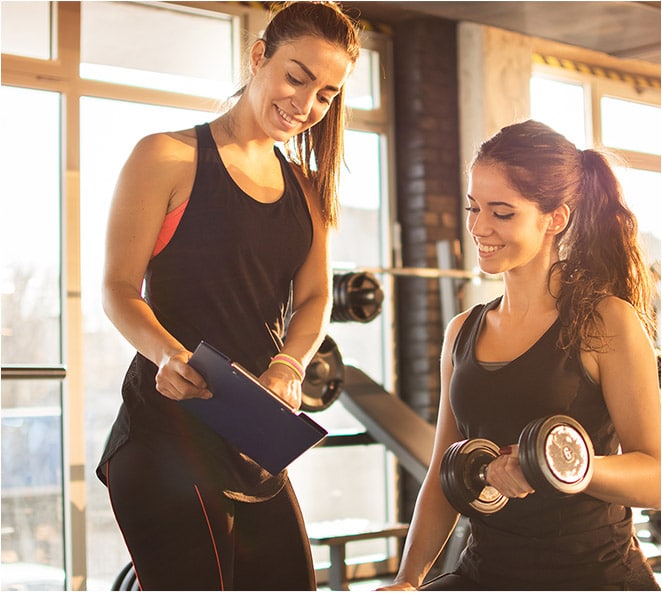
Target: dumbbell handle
482,474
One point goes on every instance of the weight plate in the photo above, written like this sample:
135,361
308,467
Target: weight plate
463,488
357,296
556,455
325,378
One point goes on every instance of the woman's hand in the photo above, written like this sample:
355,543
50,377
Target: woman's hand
177,380
284,382
505,474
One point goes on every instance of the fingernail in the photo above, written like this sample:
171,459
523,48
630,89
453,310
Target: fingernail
505,450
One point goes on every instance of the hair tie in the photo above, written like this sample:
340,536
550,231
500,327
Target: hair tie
289,361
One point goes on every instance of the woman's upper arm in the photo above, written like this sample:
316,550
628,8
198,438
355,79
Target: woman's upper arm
141,199
314,277
447,432
627,370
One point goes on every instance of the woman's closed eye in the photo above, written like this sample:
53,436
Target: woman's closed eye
498,215
503,216
296,82
292,80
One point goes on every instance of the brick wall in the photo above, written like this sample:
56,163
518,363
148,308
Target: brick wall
428,202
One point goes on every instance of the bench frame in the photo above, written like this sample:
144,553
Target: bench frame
337,540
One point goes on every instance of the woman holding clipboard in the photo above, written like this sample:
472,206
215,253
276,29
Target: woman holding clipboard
225,233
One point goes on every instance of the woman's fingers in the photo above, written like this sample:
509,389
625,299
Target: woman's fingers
505,474
177,380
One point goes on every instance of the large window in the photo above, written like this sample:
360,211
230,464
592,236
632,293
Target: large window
132,43
31,465
93,78
107,352
627,122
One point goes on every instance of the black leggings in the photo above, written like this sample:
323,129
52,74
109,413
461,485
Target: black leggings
184,535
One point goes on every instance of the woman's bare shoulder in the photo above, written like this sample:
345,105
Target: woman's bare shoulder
615,312
164,144
162,164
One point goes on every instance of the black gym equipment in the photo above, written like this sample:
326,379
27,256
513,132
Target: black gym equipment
462,480
357,296
126,579
555,453
389,421
325,378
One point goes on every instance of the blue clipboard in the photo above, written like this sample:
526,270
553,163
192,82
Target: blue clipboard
248,415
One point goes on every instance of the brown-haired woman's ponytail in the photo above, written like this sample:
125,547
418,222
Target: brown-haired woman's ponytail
320,150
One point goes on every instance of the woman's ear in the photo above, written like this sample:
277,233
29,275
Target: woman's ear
257,55
559,219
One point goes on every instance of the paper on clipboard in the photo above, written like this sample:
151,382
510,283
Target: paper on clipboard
248,415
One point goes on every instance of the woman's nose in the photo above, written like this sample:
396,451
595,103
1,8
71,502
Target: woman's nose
303,102
477,225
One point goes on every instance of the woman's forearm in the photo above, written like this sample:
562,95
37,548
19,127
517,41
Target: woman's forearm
431,526
135,320
631,479
307,327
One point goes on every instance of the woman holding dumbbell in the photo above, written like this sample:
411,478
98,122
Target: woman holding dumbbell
571,335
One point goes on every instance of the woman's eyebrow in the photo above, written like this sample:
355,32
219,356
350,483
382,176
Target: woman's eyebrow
312,76
495,203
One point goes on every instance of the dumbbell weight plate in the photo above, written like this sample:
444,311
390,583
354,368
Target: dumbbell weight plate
325,378
556,455
463,488
357,296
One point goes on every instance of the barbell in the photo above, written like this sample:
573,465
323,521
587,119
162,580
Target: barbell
358,297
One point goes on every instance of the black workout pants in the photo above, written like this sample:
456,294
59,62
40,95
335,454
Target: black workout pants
184,535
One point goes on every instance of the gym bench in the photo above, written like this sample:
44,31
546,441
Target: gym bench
336,534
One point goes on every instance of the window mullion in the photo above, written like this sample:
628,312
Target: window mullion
73,417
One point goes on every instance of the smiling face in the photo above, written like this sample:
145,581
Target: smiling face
293,89
509,230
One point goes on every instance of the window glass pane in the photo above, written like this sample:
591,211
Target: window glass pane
31,477
107,353
363,86
26,29
343,483
347,478
560,105
30,226
132,43
630,125
643,193
358,243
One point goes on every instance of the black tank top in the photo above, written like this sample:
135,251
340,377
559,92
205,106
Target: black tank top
541,541
224,277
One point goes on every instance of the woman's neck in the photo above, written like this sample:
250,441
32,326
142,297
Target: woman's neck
530,291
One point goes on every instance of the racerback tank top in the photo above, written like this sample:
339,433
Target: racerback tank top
224,277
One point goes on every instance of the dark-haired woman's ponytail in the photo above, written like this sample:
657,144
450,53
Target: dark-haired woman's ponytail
601,250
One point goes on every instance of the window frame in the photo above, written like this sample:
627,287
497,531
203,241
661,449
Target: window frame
595,88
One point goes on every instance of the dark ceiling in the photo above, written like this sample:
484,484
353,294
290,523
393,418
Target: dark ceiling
629,30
